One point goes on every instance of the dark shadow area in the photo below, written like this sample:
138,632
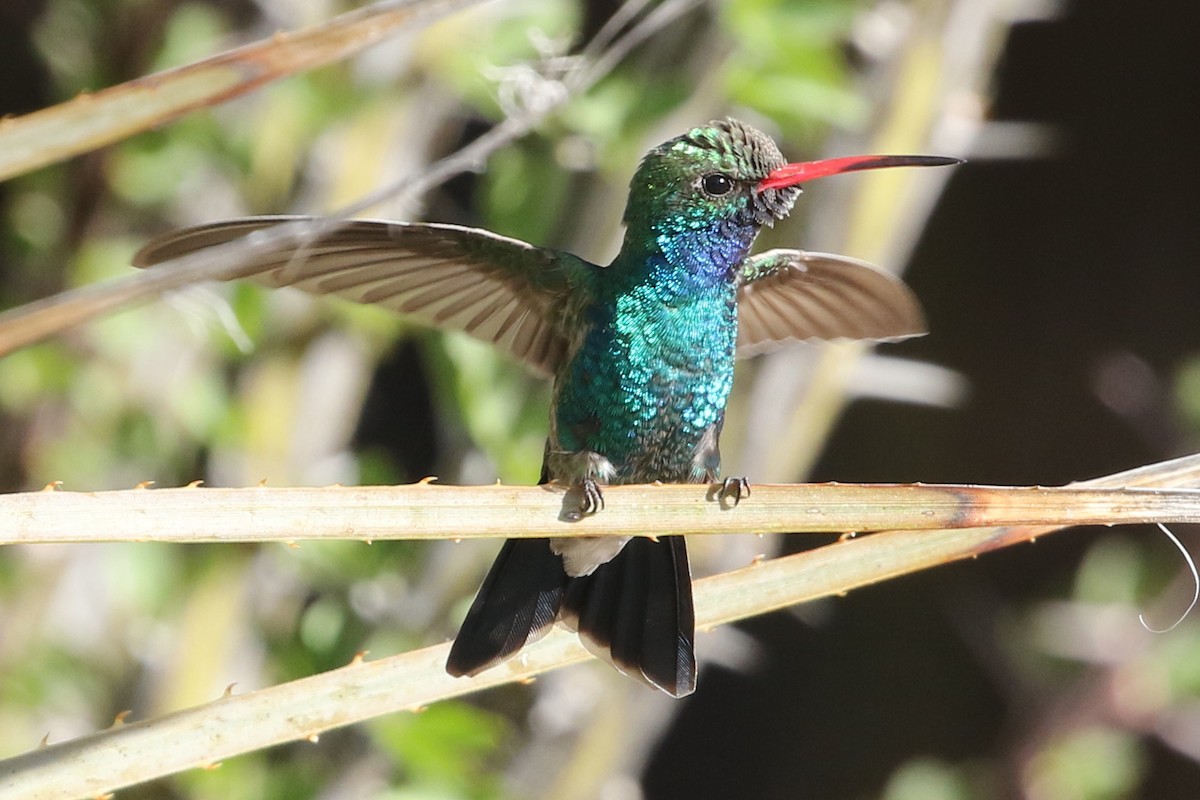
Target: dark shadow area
1064,290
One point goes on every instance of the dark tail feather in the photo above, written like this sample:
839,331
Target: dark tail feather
518,602
636,610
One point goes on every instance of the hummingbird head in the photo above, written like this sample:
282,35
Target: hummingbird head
703,196
710,175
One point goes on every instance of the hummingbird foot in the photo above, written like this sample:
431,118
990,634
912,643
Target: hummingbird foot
734,489
591,500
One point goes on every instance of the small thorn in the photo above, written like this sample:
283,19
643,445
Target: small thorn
210,766
194,485
457,540
120,718
144,484
418,709
846,536
313,738
528,680
45,741
359,657
262,482
428,479
52,486
292,544
105,796
228,691
758,559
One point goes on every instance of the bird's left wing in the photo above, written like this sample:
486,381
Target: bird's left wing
791,295
503,291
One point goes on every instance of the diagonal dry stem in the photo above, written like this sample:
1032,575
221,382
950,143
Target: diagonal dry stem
101,118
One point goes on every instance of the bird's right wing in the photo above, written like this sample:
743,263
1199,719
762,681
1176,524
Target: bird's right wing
504,291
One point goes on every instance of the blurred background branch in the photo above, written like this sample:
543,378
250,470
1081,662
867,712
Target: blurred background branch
93,120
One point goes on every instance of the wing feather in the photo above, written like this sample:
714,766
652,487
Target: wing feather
791,295
503,291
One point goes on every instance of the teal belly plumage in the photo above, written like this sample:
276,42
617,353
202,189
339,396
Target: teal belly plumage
648,385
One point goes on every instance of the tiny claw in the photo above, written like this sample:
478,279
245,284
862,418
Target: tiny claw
734,489
593,499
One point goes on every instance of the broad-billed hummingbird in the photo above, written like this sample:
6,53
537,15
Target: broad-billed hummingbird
641,352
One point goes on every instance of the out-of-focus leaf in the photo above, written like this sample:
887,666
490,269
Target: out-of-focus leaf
448,745
1109,573
789,63
929,779
1088,764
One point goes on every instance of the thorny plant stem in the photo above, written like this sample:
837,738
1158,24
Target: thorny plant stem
430,511
204,735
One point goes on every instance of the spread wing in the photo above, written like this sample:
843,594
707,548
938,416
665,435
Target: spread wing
791,295
506,292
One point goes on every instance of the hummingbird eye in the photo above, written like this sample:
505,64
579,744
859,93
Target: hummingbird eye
717,184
